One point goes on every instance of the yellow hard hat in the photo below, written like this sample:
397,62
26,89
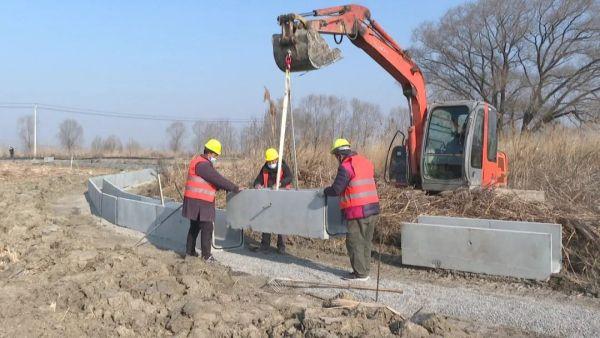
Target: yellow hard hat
214,146
339,143
271,155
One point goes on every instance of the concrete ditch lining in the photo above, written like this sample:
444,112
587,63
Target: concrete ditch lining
294,212
506,248
109,200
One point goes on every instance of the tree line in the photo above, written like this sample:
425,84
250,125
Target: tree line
317,120
536,61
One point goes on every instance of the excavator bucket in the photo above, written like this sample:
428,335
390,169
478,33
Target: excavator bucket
307,48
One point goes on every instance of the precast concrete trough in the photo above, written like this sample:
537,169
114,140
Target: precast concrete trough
508,248
301,212
290,212
109,200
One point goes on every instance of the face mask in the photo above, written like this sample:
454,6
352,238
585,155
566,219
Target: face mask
272,165
213,160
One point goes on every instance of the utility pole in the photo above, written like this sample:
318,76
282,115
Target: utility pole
35,130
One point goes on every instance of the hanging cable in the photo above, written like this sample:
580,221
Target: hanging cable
336,40
102,113
293,136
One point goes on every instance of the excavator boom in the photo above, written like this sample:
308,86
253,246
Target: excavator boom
300,38
438,141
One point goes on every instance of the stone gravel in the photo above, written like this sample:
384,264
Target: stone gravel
544,315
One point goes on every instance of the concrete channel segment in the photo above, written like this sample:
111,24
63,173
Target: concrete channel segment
555,230
109,200
288,212
506,248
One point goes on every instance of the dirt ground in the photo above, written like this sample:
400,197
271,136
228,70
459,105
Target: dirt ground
64,272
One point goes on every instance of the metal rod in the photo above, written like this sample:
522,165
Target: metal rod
304,284
157,226
378,265
35,130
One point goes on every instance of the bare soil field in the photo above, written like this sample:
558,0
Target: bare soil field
65,273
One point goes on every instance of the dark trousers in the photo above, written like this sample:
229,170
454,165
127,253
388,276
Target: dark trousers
205,237
359,242
266,240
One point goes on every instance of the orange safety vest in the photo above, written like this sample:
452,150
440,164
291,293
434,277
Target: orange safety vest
361,189
195,186
266,179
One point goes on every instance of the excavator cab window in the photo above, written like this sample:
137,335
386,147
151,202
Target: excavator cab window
444,148
477,147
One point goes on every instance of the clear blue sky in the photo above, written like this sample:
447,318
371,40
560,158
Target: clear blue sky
183,58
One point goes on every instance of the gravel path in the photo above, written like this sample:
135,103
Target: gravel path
543,315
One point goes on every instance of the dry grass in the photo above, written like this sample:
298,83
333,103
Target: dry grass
562,162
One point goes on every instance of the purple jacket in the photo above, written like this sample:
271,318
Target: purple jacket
344,174
202,210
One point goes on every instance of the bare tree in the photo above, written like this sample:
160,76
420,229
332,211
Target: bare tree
472,53
535,61
176,132
252,139
132,147
320,118
25,126
561,62
97,146
70,135
112,145
365,121
397,119
224,131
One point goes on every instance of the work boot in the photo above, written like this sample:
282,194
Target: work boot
355,277
192,253
281,250
210,259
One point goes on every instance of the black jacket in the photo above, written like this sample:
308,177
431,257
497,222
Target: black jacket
285,180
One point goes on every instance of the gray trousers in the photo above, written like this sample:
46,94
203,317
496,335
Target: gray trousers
266,240
359,242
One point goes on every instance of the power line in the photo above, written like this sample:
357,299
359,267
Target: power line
103,113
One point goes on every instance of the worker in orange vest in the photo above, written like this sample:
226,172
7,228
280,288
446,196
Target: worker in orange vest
201,187
355,185
266,179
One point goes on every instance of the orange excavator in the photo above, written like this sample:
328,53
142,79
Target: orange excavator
449,145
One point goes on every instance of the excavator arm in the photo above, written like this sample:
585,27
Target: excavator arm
299,40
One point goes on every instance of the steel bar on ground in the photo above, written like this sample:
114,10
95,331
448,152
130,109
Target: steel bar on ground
293,283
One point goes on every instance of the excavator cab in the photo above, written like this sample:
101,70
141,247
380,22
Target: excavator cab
460,147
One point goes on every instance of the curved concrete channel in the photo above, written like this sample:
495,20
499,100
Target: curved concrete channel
109,200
